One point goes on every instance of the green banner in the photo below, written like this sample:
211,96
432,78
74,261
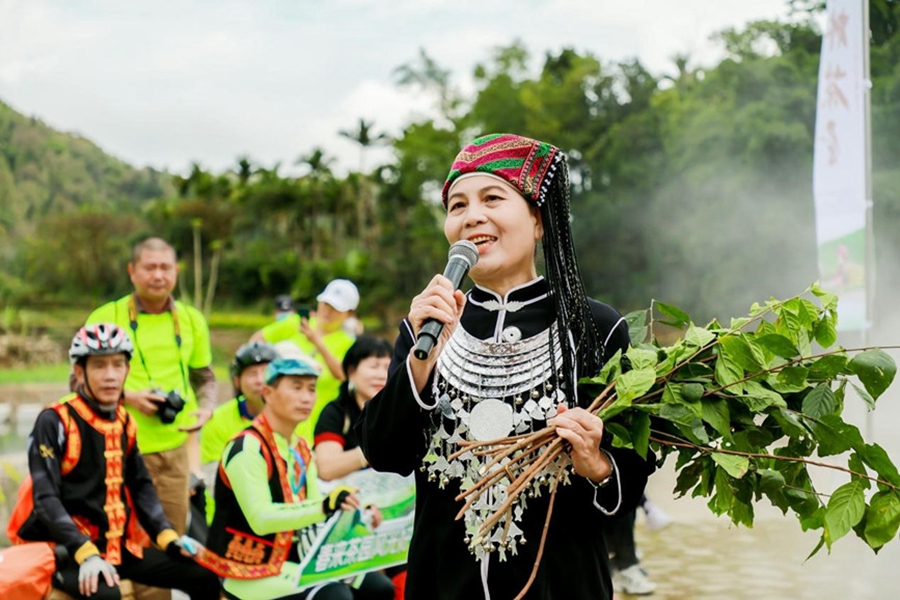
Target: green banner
346,546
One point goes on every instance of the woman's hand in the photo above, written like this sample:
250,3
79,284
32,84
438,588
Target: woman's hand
438,301
583,431
314,335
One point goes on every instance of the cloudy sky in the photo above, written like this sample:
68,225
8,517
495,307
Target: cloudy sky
168,82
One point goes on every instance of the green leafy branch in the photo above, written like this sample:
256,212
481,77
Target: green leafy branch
744,408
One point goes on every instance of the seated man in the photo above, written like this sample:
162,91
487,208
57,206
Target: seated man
229,419
266,490
92,493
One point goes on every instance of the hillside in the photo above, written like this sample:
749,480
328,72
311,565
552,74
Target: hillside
45,172
48,176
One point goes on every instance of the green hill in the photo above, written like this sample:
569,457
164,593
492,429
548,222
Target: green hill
56,181
44,171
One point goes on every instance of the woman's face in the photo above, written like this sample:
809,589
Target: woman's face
503,226
369,376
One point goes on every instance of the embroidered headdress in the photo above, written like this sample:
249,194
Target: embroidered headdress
539,172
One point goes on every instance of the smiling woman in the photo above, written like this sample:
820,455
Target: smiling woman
505,364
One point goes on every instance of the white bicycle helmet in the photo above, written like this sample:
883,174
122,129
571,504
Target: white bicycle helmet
100,339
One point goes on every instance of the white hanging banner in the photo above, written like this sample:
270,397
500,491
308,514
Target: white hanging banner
839,163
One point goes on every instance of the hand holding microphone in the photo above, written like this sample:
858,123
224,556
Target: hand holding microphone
462,256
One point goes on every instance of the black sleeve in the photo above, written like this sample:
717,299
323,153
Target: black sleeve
45,450
392,426
612,328
143,493
330,423
631,470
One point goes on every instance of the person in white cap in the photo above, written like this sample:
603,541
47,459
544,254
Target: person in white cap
323,337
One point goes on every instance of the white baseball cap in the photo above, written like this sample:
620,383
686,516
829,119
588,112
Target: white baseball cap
341,294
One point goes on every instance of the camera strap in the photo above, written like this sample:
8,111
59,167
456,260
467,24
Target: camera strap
133,323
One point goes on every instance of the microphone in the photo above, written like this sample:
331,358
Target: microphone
462,256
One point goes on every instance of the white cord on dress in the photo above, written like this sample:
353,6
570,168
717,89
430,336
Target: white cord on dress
485,563
609,335
615,473
412,386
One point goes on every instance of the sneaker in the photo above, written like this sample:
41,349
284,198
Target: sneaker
633,580
656,517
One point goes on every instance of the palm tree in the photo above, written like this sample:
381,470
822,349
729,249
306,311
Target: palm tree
319,174
363,136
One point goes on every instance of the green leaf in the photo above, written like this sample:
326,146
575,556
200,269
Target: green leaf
715,412
793,376
688,477
820,401
678,318
845,509
758,397
618,406
817,548
637,326
826,332
778,345
878,460
642,359
789,423
729,373
875,369
742,512
640,432
722,502
673,354
829,300
809,313
855,463
737,324
882,518
677,413
611,369
813,520
833,435
619,432
828,366
803,343
698,336
737,349
772,483
736,466
672,393
635,383
864,396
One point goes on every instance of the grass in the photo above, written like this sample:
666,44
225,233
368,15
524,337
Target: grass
60,374
36,374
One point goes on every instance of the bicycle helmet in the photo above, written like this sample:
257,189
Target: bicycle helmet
100,339
252,353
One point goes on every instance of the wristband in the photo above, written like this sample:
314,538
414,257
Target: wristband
612,471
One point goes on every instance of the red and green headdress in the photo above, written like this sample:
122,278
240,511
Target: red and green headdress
527,165
539,172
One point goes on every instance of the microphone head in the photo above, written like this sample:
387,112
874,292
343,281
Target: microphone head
465,250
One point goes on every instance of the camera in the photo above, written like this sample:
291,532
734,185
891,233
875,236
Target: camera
170,406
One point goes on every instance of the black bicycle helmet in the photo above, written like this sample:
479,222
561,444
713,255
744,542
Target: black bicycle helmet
252,353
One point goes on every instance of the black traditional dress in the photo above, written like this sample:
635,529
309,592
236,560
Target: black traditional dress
500,374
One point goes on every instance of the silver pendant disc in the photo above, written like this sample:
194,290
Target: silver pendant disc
490,419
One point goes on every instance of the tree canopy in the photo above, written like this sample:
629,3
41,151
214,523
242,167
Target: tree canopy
692,186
